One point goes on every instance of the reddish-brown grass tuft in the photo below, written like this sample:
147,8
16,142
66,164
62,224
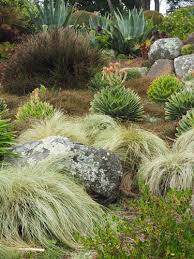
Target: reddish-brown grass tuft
139,85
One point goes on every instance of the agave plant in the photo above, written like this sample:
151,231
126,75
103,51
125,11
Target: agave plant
118,102
53,14
178,104
186,123
128,30
163,87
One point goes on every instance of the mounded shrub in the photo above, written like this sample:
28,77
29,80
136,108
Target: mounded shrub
132,145
171,171
154,16
187,49
133,74
178,104
60,58
163,87
186,123
118,102
82,17
40,204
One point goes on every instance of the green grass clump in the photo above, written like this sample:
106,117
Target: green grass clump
186,123
171,171
187,49
133,74
178,104
118,102
132,145
163,87
98,82
34,109
39,204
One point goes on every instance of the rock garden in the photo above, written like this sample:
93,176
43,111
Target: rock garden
96,131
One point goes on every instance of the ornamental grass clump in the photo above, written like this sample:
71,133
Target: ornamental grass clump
186,123
40,204
163,87
118,102
171,171
55,125
185,142
178,104
57,58
132,145
6,139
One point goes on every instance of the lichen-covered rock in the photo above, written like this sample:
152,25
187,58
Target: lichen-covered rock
99,170
184,65
161,67
168,48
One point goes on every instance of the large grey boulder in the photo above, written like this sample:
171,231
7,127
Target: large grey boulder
99,170
168,48
161,67
184,65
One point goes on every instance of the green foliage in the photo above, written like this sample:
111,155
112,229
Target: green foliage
6,49
127,30
154,16
163,87
60,58
3,107
98,82
186,123
179,23
34,109
133,74
53,14
169,171
6,138
162,228
132,145
40,204
118,102
187,49
178,104
82,17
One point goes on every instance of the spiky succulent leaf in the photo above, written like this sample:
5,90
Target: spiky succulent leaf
118,102
178,104
163,87
186,123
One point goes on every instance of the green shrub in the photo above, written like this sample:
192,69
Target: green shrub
179,23
186,123
178,104
40,204
169,171
6,139
118,102
133,74
60,58
132,145
161,228
154,16
187,49
185,142
34,109
82,17
163,87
